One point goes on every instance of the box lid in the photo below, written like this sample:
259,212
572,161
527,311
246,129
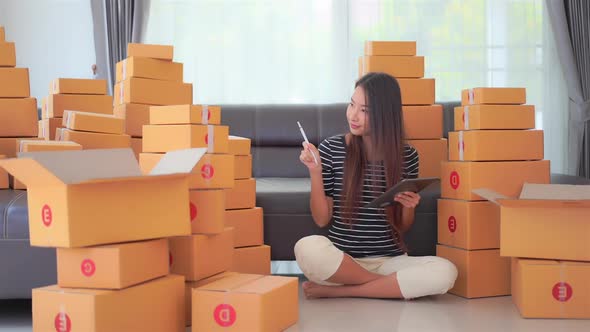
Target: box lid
542,195
74,167
247,283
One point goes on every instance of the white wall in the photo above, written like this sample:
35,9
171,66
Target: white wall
54,38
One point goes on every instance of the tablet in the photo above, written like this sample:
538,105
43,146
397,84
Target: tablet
413,185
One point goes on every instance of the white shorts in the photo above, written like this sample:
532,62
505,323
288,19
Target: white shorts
319,259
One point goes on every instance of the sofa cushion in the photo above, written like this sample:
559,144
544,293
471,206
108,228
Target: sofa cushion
13,215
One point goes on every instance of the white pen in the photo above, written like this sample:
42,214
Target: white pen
306,141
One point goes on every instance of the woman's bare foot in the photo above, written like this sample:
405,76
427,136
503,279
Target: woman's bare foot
314,291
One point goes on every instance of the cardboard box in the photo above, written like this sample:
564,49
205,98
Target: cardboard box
390,48
152,92
48,128
459,178
78,86
431,154
248,226
163,138
84,199
157,305
93,122
190,285
136,146
242,195
239,146
3,176
41,145
468,225
18,117
200,256
14,83
252,260
163,52
7,54
55,105
553,218
9,145
135,115
476,117
246,303
2,34
417,91
185,114
214,171
423,122
242,167
551,289
115,266
207,211
90,140
149,68
496,145
482,273
504,96
396,66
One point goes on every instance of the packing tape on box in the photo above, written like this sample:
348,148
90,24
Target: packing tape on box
562,289
466,117
461,146
122,93
55,86
61,322
205,114
124,69
68,115
46,108
471,96
210,139
43,130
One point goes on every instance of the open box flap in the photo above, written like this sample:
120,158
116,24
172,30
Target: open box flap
490,195
30,172
563,192
179,161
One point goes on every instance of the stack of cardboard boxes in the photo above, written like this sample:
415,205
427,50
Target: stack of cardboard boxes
93,130
423,121
84,95
495,147
18,112
148,76
250,254
112,260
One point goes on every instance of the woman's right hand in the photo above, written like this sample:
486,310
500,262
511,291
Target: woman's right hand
306,157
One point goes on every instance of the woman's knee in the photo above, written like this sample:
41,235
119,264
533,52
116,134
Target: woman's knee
433,276
317,257
444,274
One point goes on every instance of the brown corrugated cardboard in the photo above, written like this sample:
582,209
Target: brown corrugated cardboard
55,105
7,54
157,305
90,140
551,289
482,273
396,66
163,138
547,221
185,114
48,128
82,198
200,256
252,260
135,115
496,145
18,117
476,117
136,146
207,211
242,167
417,91
242,195
163,52
190,285
509,96
423,122
152,92
390,48
239,146
42,145
245,302
14,83
93,122
247,225
468,225
9,145
459,178
2,34
154,69
78,86
431,153
3,176
115,266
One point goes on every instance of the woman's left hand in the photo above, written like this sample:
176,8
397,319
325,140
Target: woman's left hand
408,199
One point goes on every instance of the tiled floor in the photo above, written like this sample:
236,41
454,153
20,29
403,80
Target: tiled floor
438,313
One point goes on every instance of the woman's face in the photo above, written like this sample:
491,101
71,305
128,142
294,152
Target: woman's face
357,113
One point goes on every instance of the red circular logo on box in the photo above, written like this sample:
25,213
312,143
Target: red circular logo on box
170,258
562,291
193,211
207,139
88,268
452,224
208,114
224,315
62,322
454,179
207,171
46,215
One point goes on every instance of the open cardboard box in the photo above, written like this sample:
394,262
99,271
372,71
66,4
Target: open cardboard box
93,197
550,221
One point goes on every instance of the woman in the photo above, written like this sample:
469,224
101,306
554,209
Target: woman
364,255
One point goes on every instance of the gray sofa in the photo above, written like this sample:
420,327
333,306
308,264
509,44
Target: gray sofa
282,191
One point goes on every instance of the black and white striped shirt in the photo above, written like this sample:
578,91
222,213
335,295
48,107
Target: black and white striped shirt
370,235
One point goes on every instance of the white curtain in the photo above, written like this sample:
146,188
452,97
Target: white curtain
306,51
